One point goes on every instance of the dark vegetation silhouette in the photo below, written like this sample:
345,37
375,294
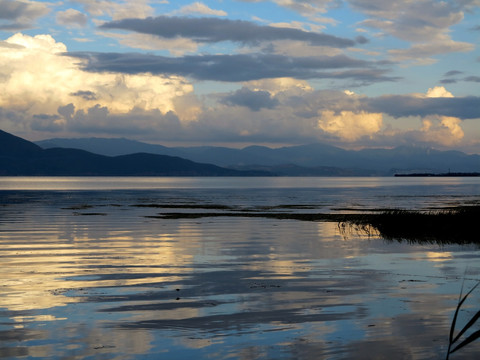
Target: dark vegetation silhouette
450,226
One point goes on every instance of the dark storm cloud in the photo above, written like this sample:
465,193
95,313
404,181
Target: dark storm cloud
254,100
234,68
402,106
18,15
213,30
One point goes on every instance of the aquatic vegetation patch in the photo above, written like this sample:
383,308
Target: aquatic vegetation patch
458,225
454,225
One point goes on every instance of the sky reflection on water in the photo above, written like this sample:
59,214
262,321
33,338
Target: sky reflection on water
87,274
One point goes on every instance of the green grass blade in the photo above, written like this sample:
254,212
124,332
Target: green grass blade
467,341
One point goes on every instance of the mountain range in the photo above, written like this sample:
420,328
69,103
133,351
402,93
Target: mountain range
303,160
21,157
123,157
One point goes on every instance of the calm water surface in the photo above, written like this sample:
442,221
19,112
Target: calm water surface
90,269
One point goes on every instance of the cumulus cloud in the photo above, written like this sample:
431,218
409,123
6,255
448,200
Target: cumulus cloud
286,85
350,126
443,130
438,92
34,76
71,17
18,15
212,30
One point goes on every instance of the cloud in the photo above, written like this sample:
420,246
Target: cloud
350,126
18,15
153,124
45,122
254,100
426,23
304,7
436,101
453,73
200,8
416,21
438,92
421,53
37,80
448,81
117,9
443,130
279,86
175,46
213,30
71,17
238,67
87,95
472,79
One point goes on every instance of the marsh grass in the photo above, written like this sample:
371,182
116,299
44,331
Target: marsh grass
457,225
455,342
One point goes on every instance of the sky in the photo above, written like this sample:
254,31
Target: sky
350,73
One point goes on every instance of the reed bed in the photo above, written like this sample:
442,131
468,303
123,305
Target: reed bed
456,225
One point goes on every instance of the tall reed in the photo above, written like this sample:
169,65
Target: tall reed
454,343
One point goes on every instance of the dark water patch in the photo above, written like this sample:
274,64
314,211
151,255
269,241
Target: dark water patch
177,305
78,207
243,321
248,213
21,335
184,206
90,214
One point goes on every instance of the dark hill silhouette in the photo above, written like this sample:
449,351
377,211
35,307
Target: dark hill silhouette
21,157
11,145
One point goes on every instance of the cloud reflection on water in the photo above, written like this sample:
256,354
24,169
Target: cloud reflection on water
123,285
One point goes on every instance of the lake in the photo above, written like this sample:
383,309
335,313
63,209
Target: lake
93,268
